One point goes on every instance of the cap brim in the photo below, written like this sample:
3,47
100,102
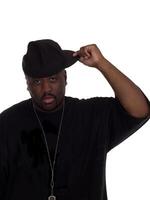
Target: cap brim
70,59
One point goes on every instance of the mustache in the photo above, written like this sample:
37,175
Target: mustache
46,94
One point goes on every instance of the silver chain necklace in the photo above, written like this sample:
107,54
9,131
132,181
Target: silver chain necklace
52,165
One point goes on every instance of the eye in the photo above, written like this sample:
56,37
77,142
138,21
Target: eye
36,81
52,78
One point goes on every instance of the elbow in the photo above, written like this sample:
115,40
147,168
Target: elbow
141,112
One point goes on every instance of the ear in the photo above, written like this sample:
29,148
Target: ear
27,82
65,74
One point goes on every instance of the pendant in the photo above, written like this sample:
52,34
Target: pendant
51,197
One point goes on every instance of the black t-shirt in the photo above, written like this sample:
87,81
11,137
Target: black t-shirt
50,122
90,129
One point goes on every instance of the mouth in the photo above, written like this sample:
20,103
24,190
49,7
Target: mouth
48,99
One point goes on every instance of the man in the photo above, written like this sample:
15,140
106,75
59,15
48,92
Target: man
55,147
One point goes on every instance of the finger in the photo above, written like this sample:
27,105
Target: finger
76,54
86,51
83,52
79,53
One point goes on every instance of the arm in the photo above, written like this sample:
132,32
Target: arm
129,95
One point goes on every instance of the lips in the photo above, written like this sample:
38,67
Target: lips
48,99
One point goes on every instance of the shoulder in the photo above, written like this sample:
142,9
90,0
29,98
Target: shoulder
17,109
94,102
91,100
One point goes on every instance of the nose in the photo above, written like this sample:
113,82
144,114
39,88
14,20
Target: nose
46,86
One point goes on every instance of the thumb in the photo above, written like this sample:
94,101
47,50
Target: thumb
76,54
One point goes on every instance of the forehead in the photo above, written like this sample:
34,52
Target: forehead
59,74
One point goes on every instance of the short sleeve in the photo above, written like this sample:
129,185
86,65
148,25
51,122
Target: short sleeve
121,123
3,176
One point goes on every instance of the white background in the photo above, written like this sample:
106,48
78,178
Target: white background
121,29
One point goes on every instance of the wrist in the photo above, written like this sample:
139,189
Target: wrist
102,64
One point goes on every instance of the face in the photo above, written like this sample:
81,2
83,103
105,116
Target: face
48,92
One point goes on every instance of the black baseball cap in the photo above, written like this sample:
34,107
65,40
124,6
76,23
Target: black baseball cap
45,58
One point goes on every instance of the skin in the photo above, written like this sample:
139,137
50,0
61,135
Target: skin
129,95
47,93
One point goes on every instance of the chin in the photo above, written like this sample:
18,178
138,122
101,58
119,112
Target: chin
49,107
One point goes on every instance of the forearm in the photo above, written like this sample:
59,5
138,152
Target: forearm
129,95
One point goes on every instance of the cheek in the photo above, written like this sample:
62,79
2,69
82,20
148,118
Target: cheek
61,88
34,92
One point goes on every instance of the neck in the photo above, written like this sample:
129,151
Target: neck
56,108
